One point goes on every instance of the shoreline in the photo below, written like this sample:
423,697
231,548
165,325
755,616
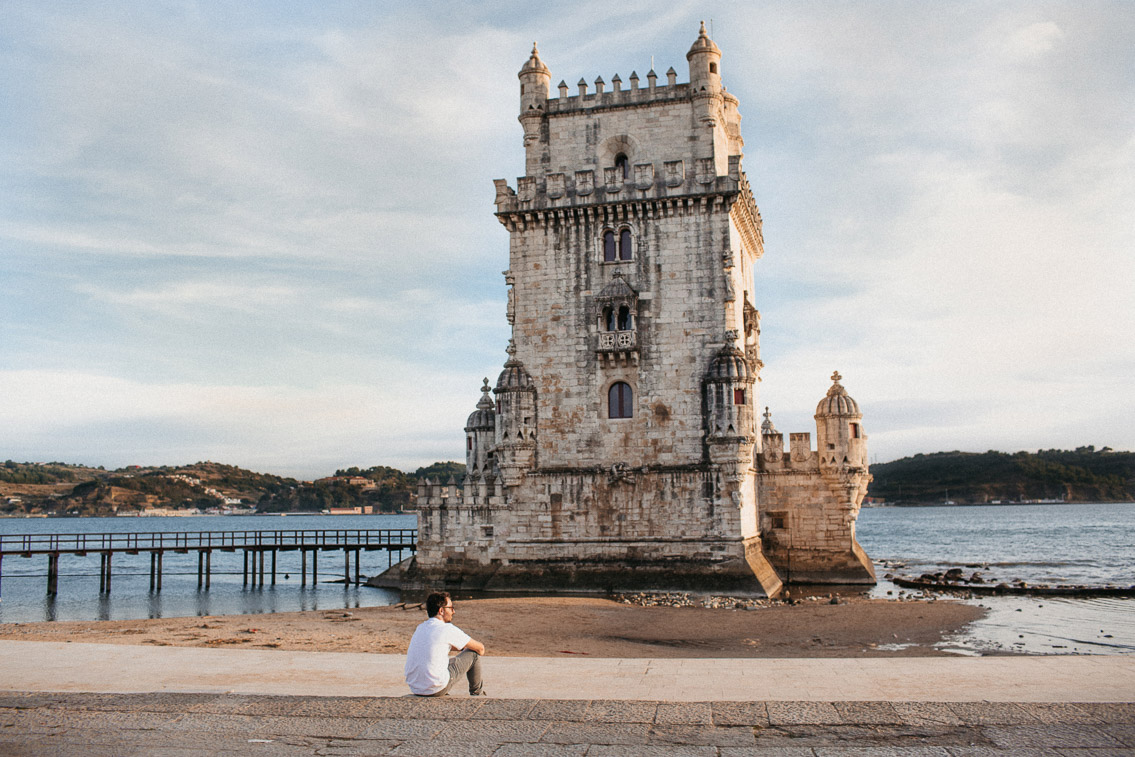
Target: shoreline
560,627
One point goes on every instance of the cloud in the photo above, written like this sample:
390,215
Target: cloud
257,232
282,428
1034,40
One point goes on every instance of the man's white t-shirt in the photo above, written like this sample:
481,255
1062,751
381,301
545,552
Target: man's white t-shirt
427,659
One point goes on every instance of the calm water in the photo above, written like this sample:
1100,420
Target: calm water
1065,544
1080,544
23,587
1089,544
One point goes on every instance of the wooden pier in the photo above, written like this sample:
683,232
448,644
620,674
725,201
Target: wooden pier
256,545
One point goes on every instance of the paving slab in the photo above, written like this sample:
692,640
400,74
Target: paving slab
99,724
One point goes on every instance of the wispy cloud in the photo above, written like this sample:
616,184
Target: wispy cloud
265,233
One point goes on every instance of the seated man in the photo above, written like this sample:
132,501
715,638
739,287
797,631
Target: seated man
429,671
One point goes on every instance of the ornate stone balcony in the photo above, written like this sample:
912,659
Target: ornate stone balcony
617,341
618,347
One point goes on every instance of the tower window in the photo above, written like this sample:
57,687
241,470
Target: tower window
626,249
713,68
620,400
854,430
468,442
609,247
624,323
609,319
738,396
623,166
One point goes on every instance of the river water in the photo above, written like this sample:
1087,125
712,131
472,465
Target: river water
1089,544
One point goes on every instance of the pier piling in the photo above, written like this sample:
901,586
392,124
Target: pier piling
253,544
53,573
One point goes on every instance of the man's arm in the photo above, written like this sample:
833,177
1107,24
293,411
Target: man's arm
476,646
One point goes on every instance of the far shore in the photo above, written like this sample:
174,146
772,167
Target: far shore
559,626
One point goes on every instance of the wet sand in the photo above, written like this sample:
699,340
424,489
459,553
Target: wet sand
560,626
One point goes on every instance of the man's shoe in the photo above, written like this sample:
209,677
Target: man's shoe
480,693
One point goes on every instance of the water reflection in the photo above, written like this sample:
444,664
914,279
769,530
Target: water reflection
103,607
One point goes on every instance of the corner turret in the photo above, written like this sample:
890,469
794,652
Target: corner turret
535,79
729,410
480,433
515,448
840,440
704,58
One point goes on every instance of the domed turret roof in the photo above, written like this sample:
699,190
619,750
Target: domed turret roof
534,64
703,44
513,376
730,365
837,401
484,417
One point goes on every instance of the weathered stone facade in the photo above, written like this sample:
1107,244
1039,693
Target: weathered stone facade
621,447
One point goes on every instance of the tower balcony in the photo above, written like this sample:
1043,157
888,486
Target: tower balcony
619,347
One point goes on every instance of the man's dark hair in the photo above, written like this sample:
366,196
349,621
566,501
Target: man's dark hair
435,602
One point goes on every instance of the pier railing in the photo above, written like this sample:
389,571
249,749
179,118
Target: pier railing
367,538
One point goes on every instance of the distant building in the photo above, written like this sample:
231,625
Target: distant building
362,510
362,481
619,447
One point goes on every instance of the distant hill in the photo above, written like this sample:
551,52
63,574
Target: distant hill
1084,474
62,488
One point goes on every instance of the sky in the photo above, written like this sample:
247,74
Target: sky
262,233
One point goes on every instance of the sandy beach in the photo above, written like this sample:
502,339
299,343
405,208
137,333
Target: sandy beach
560,626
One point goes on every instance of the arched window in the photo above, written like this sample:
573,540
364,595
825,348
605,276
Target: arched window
624,323
626,248
609,319
619,400
622,166
609,246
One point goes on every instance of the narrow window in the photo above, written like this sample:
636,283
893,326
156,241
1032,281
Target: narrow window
622,165
468,442
609,319
619,400
498,407
713,68
624,323
609,246
854,430
738,396
626,250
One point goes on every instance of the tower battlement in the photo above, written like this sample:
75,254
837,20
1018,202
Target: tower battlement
599,99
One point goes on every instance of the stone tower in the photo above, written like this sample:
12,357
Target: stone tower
620,449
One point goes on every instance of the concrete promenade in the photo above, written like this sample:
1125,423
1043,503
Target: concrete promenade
100,699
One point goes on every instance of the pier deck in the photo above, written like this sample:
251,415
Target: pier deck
256,545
